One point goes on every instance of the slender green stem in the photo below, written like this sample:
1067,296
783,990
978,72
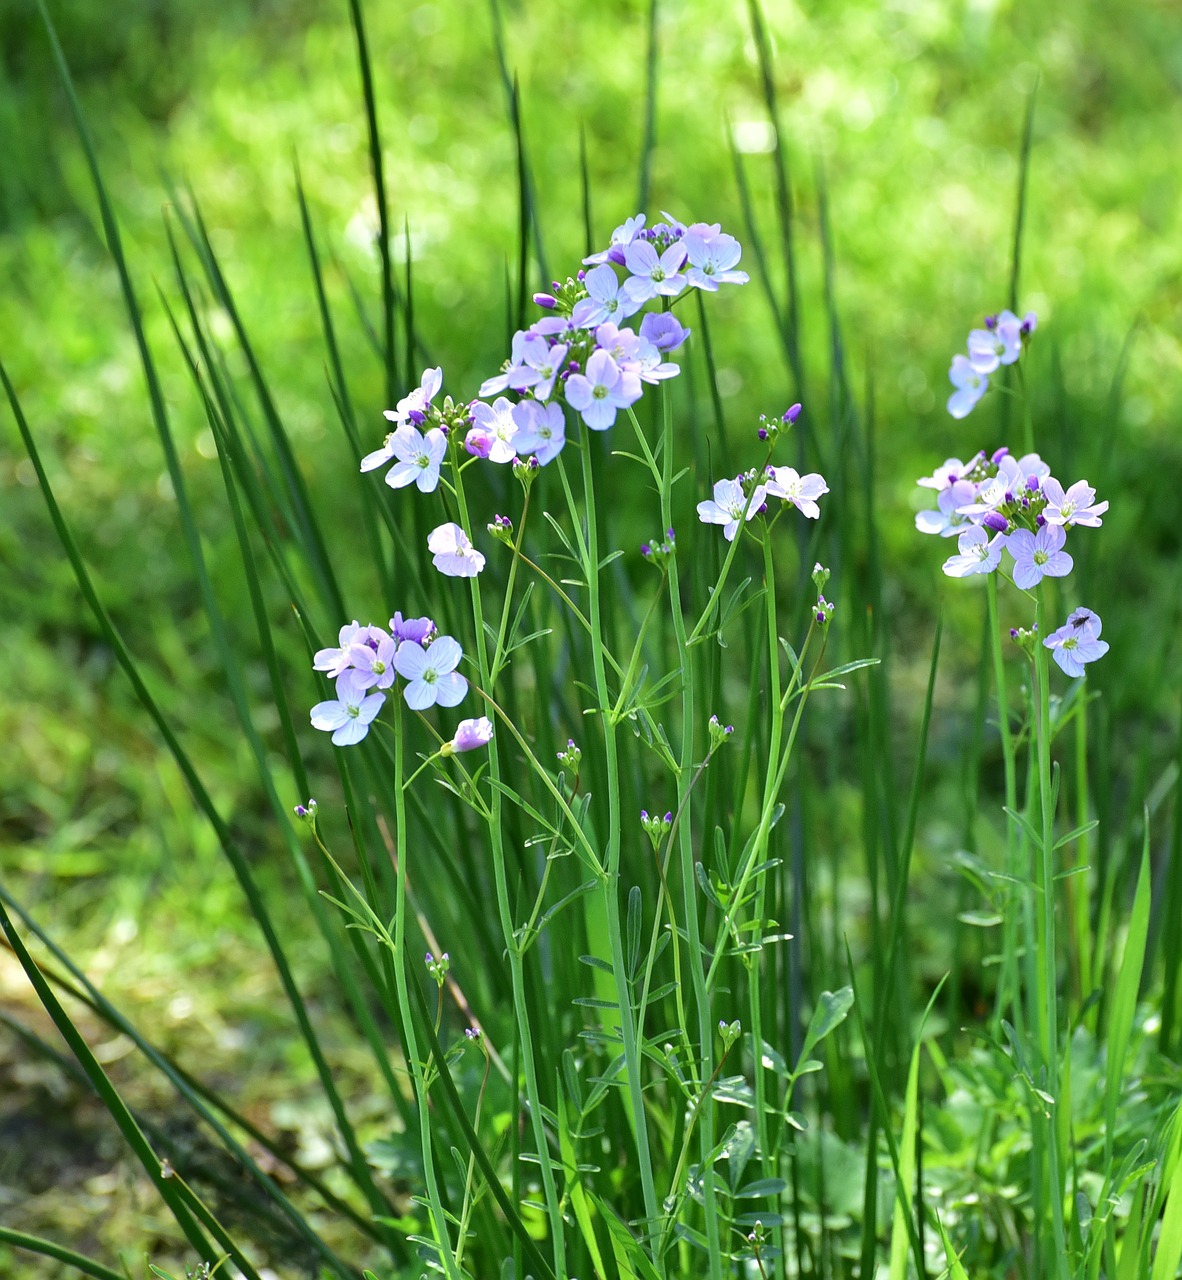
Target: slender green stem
422,1089
505,914
499,651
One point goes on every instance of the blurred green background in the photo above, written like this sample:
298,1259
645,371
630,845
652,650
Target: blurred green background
911,110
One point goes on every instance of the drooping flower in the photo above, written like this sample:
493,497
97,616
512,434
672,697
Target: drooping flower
1077,642
470,735
431,674
970,387
1077,506
978,553
728,505
801,491
496,421
663,330
348,717
602,391
541,430
1038,555
453,552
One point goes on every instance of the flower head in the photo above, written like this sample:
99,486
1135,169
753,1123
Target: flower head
999,344
1038,555
712,261
453,552
602,391
496,421
1077,642
431,674
419,457
729,504
977,553
652,275
348,717
801,491
541,430
420,630
419,399
470,735
663,330
606,299
1077,506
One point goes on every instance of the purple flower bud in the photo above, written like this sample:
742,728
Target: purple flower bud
762,433
669,535
479,442
669,817
762,509
645,549
1032,483
1001,453
546,300
1040,519
1009,495
430,959
793,413
417,416
644,815
301,811
1013,633
581,276
1029,324
996,521
554,284
573,367
471,735
990,322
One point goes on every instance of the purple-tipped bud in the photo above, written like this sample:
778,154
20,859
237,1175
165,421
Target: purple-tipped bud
1009,495
996,521
644,815
669,535
583,275
1025,502
1040,520
1001,453
1013,633
1029,324
555,285
417,416
301,811
547,301
573,367
429,959
793,413
762,509
479,442
669,818
1032,483
990,322
645,549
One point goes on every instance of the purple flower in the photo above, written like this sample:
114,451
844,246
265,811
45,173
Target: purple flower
348,717
1077,506
728,505
470,735
653,276
1038,555
496,420
602,391
541,429
454,555
978,553
431,673
418,400
479,442
417,629
374,667
998,345
622,236
801,491
605,300
1078,642
540,364
711,261
419,457
970,387
663,330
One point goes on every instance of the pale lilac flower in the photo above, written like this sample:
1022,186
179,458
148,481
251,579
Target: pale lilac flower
602,391
948,473
1016,472
663,330
1001,344
541,363
417,629
500,381
334,661
648,364
653,276
622,237
419,458
728,505
418,400
620,344
374,667
348,717
605,301
978,553
431,674
947,519
1038,555
970,387
711,261
1077,506
801,491
470,735
479,442
1077,643
454,555
989,497
496,420
541,430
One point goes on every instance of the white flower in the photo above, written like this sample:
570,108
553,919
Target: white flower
454,555
728,504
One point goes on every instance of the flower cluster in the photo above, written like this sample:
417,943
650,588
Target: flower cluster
366,662
999,342
745,497
998,503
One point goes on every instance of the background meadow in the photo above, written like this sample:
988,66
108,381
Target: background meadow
902,129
